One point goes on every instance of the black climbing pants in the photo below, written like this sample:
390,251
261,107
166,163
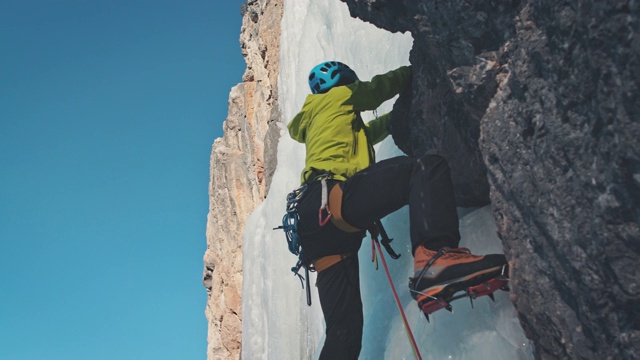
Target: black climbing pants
422,183
339,292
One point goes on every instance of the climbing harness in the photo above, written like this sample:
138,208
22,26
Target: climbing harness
330,209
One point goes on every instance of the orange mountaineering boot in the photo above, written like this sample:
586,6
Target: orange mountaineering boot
439,275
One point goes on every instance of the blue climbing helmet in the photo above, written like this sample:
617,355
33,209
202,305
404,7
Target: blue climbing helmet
329,74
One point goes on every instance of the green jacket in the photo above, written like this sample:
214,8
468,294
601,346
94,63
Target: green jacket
330,125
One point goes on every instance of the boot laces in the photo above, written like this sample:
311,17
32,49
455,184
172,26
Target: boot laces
457,253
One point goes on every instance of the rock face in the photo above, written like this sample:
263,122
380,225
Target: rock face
242,163
535,104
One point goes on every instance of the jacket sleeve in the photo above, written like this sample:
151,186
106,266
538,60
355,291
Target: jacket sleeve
368,95
296,129
378,128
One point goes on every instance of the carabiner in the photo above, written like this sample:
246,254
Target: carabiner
324,221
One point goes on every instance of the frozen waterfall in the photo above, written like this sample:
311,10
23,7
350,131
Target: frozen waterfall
277,323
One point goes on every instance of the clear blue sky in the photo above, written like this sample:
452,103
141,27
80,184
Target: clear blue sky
108,110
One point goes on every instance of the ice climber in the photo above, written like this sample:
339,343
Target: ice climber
346,191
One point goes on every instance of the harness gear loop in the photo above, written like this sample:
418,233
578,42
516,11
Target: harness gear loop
324,203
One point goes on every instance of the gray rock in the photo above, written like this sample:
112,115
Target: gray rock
535,105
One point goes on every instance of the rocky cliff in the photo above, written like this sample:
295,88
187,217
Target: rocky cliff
535,105
242,163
